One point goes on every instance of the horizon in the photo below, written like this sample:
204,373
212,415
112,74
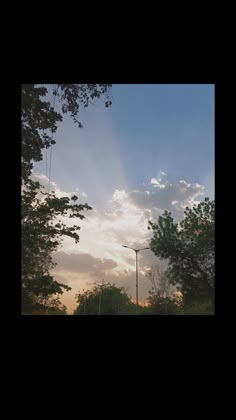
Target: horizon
152,151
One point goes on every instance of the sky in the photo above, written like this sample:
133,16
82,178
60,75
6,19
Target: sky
152,151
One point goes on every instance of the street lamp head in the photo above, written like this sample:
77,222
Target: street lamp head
125,246
136,250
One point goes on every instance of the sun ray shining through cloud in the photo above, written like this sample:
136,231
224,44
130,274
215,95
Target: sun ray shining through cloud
99,253
152,151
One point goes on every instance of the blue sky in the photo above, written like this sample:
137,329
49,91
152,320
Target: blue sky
152,150
151,127
167,126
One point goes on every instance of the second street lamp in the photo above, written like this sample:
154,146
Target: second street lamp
136,252
100,296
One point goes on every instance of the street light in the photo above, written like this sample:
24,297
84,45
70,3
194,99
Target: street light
100,297
84,303
136,252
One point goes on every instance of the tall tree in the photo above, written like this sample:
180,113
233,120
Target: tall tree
189,248
159,305
107,299
162,298
39,118
42,226
160,280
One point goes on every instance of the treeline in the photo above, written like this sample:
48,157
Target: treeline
187,247
186,286
42,228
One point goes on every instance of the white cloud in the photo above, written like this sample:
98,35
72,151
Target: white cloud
99,254
173,197
163,173
52,186
157,183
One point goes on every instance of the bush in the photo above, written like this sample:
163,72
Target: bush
200,308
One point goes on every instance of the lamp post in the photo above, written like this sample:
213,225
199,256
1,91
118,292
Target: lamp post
100,296
136,252
84,303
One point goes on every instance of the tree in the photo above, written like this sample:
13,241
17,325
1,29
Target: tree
42,228
159,279
43,293
39,118
159,305
56,307
41,233
111,300
162,299
41,223
189,248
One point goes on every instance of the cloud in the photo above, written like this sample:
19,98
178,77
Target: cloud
157,183
123,220
52,186
163,173
173,197
83,263
79,271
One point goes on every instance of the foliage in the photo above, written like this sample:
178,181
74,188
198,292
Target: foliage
41,293
159,305
160,280
41,234
190,250
112,300
144,310
42,229
55,307
200,308
39,118
162,299
41,213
